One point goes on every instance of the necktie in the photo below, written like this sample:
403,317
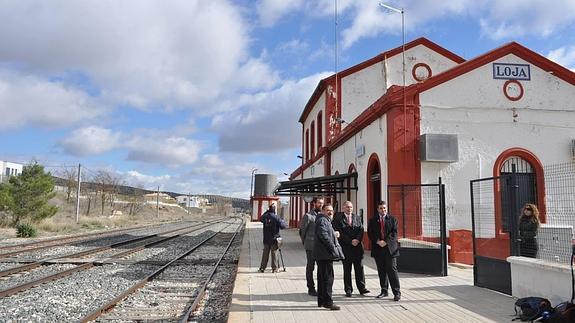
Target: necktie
349,220
382,226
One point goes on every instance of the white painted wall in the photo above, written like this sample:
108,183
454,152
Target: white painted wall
316,169
374,138
255,210
319,106
361,89
535,277
14,169
474,107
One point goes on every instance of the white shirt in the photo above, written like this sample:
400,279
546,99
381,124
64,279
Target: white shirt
348,218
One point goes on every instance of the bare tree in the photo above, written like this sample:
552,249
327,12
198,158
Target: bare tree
136,201
103,180
70,177
114,185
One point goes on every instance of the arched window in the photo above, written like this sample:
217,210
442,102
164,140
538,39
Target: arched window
319,131
307,144
312,127
352,182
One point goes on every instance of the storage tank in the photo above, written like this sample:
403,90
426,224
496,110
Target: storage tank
263,197
264,184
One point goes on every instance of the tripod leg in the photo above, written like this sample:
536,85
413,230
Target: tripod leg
282,258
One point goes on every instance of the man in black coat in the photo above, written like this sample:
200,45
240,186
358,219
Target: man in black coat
326,250
382,232
351,234
307,234
272,225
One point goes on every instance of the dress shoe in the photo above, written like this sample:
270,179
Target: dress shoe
397,297
332,307
312,292
261,270
275,270
348,294
382,294
365,291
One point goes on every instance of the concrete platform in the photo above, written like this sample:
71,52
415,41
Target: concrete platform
282,297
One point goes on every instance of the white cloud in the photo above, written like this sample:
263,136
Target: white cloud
148,146
293,46
267,121
143,53
136,179
173,151
30,100
564,56
516,18
497,19
90,141
270,11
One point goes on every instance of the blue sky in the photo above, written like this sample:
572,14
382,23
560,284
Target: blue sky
192,95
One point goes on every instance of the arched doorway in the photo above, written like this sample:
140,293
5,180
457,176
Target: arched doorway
530,187
373,188
526,187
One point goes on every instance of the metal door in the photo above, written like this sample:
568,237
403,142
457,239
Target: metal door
420,211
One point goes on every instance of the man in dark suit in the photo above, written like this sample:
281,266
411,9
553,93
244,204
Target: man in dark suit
326,250
382,232
351,233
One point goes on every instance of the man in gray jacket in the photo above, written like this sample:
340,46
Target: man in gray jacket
326,250
306,233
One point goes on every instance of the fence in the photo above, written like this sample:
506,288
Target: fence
555,236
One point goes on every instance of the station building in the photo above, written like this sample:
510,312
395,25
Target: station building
454,121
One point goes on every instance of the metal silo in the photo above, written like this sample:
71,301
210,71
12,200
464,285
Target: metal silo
264,184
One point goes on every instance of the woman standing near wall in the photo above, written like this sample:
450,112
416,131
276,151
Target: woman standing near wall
528,226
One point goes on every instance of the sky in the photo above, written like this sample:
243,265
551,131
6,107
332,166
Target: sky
192,95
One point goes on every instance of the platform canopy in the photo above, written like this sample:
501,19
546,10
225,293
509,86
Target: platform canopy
324,185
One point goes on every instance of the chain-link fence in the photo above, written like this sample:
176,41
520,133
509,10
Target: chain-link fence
555,236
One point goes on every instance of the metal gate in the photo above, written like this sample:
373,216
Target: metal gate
495,207
420,211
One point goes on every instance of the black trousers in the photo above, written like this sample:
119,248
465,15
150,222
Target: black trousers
528,248
387,272
357,263
309,269
324,282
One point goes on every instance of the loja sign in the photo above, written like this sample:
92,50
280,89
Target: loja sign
511,71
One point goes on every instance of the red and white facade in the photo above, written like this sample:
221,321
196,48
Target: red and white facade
530,117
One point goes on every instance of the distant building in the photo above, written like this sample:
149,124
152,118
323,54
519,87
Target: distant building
9,169
191,201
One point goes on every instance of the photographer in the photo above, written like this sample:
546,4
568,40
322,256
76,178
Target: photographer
272,225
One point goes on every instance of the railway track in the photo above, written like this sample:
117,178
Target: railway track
170,271
132,245
92,238
173,291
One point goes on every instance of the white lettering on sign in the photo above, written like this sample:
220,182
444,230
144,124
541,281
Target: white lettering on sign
511,71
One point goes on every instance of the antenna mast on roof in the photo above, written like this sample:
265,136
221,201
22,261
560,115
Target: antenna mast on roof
335,64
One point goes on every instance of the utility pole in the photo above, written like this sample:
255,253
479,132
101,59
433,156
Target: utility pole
158,202
78,196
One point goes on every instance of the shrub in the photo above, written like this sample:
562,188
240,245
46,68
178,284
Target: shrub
25,230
